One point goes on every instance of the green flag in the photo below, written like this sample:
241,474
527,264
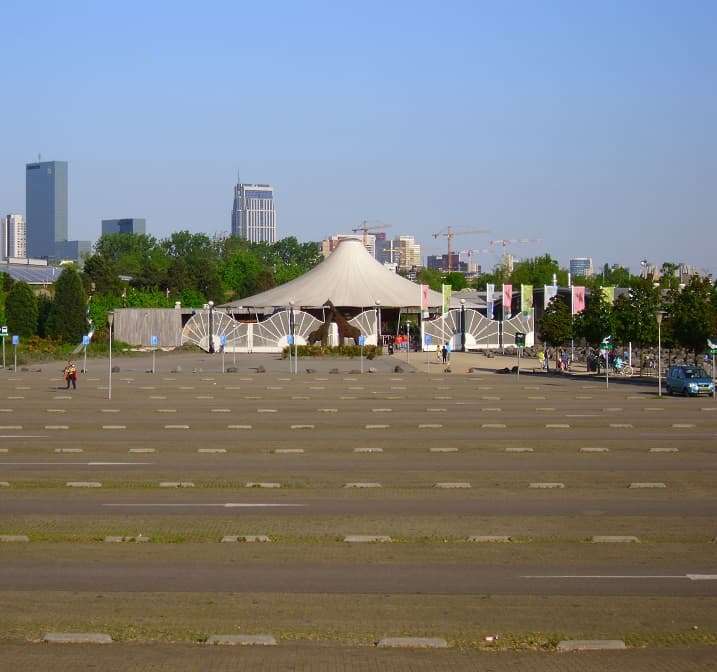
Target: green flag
526,298
608,294
447,289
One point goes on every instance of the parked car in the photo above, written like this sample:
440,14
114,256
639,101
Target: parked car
690,380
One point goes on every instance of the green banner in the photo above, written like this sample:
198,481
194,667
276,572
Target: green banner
526,298
608,293
447,289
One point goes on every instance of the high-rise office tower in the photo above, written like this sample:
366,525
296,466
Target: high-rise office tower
45,206
581,267
13,240
253,214
129,225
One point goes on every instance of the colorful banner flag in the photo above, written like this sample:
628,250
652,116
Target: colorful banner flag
507,301
447,289
549,293
526,298
608,293
424,297
489,296
578,302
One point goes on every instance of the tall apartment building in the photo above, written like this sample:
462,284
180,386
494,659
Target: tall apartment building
13,237
46,206
409,252
134,225
581,266
253,213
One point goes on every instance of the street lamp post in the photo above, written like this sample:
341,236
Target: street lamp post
110,322
659,315
378,323
211,327
463,325
293,338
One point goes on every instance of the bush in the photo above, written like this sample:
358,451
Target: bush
369,351
68,316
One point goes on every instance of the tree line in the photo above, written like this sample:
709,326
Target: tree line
690,317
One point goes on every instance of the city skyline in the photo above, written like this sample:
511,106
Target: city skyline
559,122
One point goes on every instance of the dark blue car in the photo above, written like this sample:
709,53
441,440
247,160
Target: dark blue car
689,380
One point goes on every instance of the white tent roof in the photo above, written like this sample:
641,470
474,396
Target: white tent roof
348,277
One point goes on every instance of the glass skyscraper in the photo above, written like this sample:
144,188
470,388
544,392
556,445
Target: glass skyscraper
253,214
45,207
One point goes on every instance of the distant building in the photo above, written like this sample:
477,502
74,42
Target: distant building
72,250
46,206
439,262
581,267
253,213
134,225
13,237
409,253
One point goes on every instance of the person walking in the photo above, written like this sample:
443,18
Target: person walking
444,353
70,374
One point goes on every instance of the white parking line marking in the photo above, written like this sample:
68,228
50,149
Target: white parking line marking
690,577
225,505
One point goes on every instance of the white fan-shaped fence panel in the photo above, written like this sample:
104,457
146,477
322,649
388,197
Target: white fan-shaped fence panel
225,329
366,323
272,335
481,332
522,322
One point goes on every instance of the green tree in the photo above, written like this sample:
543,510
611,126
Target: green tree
241,272
556,325
693,316
44,308
68,318
456,280
596,321
635,315
21,310
102,274
538,271
431,277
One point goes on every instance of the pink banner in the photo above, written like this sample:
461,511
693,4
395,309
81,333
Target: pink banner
424,297
578,299
507,301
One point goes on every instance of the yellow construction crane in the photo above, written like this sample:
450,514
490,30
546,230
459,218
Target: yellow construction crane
368,225
449,233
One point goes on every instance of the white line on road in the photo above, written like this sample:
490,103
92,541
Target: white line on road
225,505
691,577
62,463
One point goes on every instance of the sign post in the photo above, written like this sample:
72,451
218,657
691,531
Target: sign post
85,343
519,345
289,343
362,342
3,335
428,339
223,344
15,342
606,346
154,342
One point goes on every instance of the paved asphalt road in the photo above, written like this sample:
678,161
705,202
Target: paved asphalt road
50,436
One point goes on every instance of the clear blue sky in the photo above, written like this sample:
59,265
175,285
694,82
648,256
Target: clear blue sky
589,124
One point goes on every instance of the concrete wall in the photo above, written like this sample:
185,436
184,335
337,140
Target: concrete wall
136,325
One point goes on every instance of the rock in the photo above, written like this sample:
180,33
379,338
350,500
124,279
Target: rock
397,369
372,369
334,371
447,369
260,369
24,368
115,369
310,370
232,369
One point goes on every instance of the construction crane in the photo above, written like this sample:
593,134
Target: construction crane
378,226
449,233
504,242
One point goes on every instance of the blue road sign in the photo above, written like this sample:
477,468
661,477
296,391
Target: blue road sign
154,341
222,340
429,339
290,340
85,340
15,340
449,347
362,340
